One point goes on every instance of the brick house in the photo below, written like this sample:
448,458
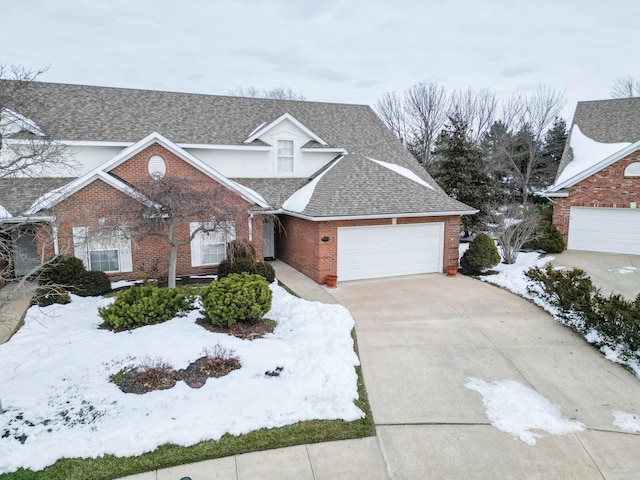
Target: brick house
323,187
597,188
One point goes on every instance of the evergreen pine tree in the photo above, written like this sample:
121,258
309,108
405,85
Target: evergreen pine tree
459,170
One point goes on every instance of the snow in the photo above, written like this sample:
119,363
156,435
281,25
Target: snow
56,389
516,409
625,270
4,213
405,172
301,198
124,283
587,153
626,421
23,122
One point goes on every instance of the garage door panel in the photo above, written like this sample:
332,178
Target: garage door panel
613,230
389,250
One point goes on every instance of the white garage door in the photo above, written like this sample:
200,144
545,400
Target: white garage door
614,230
389,250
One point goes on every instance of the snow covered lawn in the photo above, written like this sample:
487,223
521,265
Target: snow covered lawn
59,402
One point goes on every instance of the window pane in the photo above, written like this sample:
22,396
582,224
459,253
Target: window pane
212,253
285,156
285,147
104,260
285,164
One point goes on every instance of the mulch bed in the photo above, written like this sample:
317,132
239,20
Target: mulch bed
242,330
146,380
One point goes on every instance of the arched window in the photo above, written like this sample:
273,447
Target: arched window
632,170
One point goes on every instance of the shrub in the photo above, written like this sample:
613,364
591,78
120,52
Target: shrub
144,305
616,317
569,290
237,298
46,296
65,271
226,267
265,270
550,240
241,250
92,284
482,254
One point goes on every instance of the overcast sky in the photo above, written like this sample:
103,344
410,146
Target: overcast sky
336,51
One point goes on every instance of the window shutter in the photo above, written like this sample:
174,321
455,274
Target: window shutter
196,254
81,245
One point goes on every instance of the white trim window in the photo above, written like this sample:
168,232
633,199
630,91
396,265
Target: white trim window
108,251
210,247
285,156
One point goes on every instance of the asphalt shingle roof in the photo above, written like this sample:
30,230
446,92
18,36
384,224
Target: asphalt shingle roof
358,186
606,121
18,194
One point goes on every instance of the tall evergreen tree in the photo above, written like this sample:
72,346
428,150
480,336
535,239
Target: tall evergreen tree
552,149
458,168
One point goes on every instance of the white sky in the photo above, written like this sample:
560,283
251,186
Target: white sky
337,51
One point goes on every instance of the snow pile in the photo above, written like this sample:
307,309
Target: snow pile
513,408
587,153
4,213
405,172
301,198
59,401
626,421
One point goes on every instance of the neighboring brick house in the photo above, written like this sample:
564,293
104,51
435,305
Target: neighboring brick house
324,187
597,189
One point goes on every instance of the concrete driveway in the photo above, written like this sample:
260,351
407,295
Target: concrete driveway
422,337
610,272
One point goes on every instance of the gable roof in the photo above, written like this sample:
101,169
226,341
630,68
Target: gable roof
101,172
265,127
602,132
123,116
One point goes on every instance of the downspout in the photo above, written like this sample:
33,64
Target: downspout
54,229
251,226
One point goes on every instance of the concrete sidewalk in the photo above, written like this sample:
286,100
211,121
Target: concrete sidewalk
13,306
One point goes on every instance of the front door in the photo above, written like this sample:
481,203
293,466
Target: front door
269,239
25,252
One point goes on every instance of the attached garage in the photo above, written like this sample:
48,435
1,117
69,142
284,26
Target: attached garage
389,250
612,230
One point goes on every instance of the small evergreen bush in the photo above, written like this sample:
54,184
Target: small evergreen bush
65,271
46,296
92,284
144,305
226,267
265,270
569,290
237,298
550,241
616,317
481,255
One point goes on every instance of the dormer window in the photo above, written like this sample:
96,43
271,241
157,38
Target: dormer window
285,156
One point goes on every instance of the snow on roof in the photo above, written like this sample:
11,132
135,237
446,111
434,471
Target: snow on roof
23,122
301,198
249,191
4,213
587,153
405,172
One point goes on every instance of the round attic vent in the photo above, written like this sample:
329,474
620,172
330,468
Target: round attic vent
157,167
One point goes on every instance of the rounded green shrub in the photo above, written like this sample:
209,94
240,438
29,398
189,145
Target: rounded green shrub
240,297
226,267
481,255
65,271
550,241
46,296
265,270
144,305
92,284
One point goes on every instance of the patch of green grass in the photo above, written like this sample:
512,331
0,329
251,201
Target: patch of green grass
109,467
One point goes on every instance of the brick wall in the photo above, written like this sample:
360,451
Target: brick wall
299,242
150,255
606,188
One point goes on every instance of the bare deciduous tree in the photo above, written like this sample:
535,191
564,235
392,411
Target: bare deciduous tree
625,87
427,107
512,226
477,108
277,93
165,207
27,149
519,151
390,108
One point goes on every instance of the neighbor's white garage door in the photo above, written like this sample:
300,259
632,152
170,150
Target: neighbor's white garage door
389,250
614,230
